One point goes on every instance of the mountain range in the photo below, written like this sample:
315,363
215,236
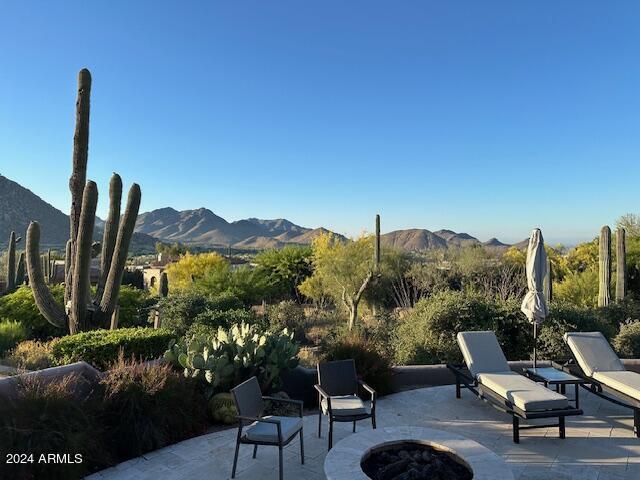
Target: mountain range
202,227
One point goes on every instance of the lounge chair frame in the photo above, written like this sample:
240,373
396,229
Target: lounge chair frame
605,392
464,379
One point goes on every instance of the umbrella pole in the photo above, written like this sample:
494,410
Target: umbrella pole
535,344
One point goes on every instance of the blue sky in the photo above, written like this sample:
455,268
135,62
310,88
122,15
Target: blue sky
428,112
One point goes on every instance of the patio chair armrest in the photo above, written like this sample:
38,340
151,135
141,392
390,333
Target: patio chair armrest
462,371
289,401
325,395
374,394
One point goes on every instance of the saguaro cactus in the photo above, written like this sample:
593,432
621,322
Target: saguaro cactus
621,264
13,273
80,310
377,244
604,290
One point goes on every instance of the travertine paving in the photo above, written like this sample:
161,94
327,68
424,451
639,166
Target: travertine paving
599,446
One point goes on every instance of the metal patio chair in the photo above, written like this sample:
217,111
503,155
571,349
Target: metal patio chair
256,429
338,396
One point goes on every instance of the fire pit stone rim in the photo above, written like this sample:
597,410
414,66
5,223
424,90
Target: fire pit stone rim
343,460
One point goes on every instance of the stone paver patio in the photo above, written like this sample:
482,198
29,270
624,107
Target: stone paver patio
599,446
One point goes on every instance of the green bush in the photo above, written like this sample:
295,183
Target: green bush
565,318
148,406
224,319
627,342
135,305
287,314
579,289
30,355
372,366
11,333
49,418
222,408
100,348
427,334
20,306
180,310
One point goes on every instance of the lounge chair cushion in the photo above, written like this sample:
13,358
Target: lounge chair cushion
268,432
522,392
344,405
625,382
482,352
593,352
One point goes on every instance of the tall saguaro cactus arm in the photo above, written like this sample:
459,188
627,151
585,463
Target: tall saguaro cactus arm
79,168
47,305
604,290
125,233
80,287
11,263
110,234
621,264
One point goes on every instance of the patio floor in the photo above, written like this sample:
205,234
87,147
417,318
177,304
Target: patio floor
599,445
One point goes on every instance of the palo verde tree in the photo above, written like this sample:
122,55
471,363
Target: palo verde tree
344,269
81,310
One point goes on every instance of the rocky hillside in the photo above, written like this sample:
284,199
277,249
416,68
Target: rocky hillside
204,227
19,206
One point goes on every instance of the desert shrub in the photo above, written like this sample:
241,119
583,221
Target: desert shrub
287,314
179,310
579,289
427,334
134,306
30,355
627,342
11,333
102,347
564,318
224,319
148,406
372,366
49,418
20,306
231,356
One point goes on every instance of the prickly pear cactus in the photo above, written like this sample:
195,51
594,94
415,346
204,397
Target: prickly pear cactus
231,356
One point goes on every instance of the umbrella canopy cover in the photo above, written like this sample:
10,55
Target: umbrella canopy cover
534,305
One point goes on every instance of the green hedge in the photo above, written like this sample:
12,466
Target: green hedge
100,348
11,333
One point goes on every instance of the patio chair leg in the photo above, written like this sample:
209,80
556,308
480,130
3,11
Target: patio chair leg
561,427
354,426
280,460
301,447
458,387
373,420
255,450
235,457
330,433
320,424
636,422
516,429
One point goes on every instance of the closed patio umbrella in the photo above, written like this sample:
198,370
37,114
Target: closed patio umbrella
534,305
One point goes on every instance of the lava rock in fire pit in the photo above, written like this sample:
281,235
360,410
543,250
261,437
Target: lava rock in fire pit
413,461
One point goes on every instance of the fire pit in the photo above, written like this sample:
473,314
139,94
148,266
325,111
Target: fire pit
392,453
414,461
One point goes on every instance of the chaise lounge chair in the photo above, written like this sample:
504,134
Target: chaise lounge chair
597,363
489,376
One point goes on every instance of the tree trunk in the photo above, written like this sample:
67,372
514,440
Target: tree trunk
353,314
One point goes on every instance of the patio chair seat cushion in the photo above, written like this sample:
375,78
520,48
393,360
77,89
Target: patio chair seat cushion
268,432
344,405
625,382
522,392
482,352
593,352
